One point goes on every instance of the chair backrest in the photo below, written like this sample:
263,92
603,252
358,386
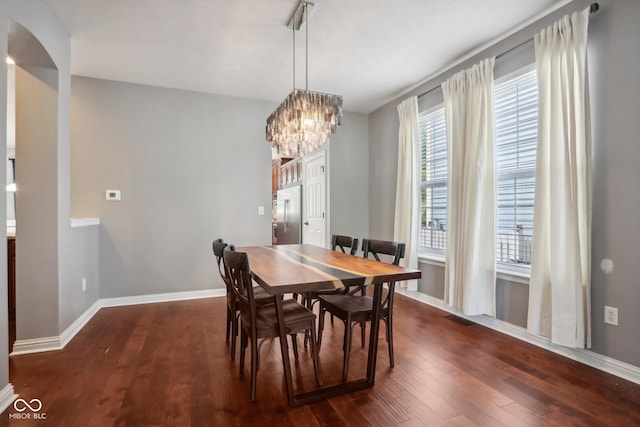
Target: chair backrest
218,249
237,270
382,247
342,242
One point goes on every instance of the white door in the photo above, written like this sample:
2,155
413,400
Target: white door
314,226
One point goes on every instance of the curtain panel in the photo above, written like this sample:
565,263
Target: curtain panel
405,226
559,291
470,271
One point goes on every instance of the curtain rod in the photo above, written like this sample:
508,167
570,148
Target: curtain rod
592,9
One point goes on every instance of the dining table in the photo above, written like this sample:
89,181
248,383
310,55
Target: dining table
300,268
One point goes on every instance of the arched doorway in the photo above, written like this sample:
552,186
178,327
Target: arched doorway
32,116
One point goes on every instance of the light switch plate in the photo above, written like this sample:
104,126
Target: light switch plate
113,195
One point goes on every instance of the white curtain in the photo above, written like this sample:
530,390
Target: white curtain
470,273
559,291
405,226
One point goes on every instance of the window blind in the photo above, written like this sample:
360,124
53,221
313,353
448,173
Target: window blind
433,177
516,126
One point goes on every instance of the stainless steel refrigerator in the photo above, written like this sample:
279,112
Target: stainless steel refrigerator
288,229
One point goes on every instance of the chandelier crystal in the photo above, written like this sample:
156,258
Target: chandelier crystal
303,122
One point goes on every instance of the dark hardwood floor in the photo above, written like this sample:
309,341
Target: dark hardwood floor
168,364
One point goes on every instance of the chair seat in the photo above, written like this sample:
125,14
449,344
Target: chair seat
317,294
261,296
296,315
354,304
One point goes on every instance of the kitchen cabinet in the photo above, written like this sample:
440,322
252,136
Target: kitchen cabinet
283,173
291,172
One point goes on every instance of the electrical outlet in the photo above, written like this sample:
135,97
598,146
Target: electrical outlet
611,315
84,284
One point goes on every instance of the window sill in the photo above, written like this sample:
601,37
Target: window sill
503,272
516,275
432,258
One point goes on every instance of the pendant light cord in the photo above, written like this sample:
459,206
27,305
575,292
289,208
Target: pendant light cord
293,27
306,48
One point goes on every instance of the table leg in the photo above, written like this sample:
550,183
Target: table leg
338,389
373,337
284,347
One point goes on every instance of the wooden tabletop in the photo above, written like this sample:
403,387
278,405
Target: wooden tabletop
284,269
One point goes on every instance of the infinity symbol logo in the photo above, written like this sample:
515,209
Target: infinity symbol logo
21,405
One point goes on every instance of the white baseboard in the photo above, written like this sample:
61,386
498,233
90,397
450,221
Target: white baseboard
36,345
166,297
39,345
595,360
68,334
7,396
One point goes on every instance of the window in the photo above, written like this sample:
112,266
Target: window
516,126
433,180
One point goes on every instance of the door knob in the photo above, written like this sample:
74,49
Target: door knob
306,223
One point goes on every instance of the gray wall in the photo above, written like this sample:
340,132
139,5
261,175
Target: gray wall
79,260
36,202
614,64
614,61
349,177
191,167
383,167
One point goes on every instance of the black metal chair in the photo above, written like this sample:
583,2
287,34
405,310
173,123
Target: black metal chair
259,321
355,309
261,297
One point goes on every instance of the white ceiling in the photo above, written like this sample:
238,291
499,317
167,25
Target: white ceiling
369,51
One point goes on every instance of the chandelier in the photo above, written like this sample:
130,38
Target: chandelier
304,120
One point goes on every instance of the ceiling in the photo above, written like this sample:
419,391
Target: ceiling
369,51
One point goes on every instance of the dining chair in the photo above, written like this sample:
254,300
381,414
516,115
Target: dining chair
345,244
258,322
355,309
261,296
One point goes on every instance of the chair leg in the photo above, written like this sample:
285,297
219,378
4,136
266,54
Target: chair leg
347,348
314,353
294,344
254,367
234,334
243,349
320,326
229,321
306,301
363,328
390,340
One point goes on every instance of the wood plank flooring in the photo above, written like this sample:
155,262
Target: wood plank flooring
168,364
